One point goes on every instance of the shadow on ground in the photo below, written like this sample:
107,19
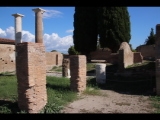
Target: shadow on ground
9,107
132,88
58,87
137,80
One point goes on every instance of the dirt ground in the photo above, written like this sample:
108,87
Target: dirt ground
110,102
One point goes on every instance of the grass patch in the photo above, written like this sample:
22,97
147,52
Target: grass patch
148,65
123,103
57,68
92,87
156,103
91,66
58,92
7,73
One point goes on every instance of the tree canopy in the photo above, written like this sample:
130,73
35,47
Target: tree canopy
85,29
151,38
113,27
112,24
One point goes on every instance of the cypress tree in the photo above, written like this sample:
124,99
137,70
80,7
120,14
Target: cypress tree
113,27
85,30
151,38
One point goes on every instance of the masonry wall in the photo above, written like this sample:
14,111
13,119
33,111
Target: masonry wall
100,55
7,58
53,59
31,76
147,51
137,57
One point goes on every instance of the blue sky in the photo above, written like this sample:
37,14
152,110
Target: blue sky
58,25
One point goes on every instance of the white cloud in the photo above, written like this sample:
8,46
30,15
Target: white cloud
69,31
52,41
51,13
8,33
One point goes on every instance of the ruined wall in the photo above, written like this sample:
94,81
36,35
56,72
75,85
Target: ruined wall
113,58
31,76
53,58
157,53
100,55
146,51
137,57
7,58
125,56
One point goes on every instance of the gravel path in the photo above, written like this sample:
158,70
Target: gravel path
108,102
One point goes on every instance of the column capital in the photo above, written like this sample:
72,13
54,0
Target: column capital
17,15
38,10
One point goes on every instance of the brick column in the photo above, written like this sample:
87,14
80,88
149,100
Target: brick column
38,25
78,73
157,47
31,76
65,67
18,27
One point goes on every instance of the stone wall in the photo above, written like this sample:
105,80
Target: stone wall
157,52
125,56
31,76
113,58
53,59
147,51
100,55
137,57
7,58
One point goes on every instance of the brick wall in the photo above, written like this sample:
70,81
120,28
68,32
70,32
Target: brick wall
147,51
137,57
53,59
31,76
100,55
7,58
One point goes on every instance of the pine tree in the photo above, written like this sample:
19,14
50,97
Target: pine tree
151,38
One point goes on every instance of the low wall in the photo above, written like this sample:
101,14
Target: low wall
147,51
7,58
137,57
100,55
53,59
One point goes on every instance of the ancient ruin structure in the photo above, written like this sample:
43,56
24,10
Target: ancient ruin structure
31,70
38,25
101,73
157,47
7,55
125,56
66,68
78,73
147,51
18,28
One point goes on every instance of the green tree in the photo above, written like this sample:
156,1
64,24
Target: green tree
113,27
85,30
53,50
72,51
151,38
